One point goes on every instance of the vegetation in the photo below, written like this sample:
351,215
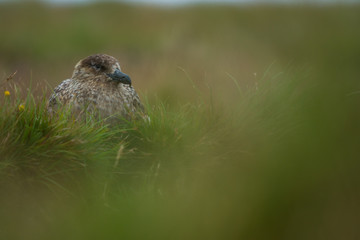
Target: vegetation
237,147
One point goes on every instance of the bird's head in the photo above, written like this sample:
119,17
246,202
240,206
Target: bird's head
101,66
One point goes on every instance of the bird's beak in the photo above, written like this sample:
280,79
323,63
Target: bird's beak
119,76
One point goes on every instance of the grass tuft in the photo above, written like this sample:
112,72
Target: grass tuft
258,154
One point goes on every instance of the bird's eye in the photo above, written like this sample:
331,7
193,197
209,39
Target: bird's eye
97,67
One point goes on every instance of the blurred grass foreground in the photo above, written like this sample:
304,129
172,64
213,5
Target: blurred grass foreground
254,130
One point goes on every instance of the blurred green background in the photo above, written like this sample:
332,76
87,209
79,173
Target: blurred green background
271,168
44,42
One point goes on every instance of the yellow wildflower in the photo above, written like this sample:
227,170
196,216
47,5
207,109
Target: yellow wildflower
7,93
21,107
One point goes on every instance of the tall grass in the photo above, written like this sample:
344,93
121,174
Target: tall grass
50,148
208,163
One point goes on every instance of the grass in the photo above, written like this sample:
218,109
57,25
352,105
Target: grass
214,162
48,148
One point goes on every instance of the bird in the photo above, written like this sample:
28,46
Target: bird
99,87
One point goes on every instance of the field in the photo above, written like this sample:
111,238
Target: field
254,130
